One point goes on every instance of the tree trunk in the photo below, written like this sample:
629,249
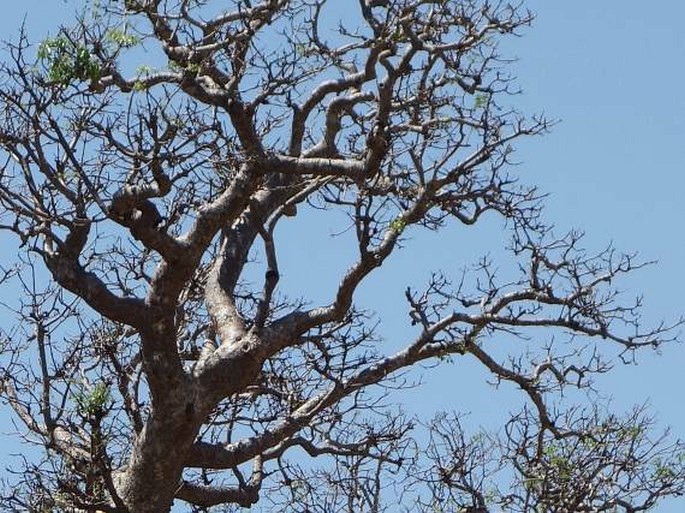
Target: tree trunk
151,479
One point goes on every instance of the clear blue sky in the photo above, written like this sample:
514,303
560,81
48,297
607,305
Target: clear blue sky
612,73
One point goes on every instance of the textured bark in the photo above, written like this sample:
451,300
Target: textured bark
153,474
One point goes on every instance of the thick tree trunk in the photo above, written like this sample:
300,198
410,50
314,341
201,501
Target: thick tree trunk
160,451
153,474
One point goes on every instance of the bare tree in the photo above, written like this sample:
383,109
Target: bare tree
600,463
151,152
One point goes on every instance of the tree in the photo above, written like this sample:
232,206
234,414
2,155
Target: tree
155,367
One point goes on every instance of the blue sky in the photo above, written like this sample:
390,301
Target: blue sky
614,167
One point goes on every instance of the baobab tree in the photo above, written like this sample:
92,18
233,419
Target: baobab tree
151,152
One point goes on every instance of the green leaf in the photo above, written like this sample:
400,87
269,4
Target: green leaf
122,39
92,401
398,225
64,62
482,100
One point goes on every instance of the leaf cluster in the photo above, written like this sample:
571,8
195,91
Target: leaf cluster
64,61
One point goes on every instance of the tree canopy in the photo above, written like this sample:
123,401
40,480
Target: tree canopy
151,152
